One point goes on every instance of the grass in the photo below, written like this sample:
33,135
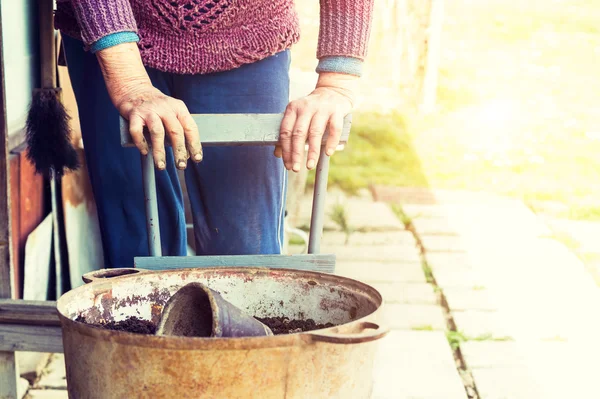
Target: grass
427,271
516,106
456,338
404,218
339,216
425,327
379,152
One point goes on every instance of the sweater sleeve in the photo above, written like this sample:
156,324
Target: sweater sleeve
345,28
99,18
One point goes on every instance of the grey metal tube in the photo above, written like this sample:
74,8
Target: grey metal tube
151,204
317,218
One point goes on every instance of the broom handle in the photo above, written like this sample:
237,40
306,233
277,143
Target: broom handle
47,44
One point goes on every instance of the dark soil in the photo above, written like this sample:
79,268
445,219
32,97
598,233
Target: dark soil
131,324
279,325
283,325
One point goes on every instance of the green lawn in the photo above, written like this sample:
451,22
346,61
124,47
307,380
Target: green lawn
518,111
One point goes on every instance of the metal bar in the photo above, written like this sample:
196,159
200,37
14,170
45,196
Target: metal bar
319,263
151,201
237,129
317,218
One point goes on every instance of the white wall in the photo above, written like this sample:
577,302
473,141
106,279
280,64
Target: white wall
20,49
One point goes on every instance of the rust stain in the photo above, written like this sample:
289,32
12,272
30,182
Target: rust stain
76,186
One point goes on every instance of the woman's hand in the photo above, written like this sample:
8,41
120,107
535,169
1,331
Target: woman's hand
307,118
138,101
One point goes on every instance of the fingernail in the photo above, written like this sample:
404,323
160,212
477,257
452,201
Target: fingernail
181,164
144,152
296,167
161,165
198,157
287,166
329,152
310,164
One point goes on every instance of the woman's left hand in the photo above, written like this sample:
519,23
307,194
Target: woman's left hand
307,118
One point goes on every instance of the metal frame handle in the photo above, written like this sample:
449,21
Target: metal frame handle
236,130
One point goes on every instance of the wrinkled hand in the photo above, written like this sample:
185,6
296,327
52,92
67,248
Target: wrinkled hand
143,105
307,118
146,106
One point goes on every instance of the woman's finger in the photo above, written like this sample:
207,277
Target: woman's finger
299,134
315,137
336,124
157,137
285,134
176,137
190,131
136,130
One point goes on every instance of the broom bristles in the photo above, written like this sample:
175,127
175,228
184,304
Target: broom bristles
48,135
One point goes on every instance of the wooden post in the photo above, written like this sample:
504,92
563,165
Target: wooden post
8,363
434,39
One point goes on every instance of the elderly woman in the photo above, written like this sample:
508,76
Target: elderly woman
154,62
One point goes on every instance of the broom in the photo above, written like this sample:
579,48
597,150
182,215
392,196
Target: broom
47,128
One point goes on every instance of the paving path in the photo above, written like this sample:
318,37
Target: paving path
477,288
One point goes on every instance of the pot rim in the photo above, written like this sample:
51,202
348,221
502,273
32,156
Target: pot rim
244,343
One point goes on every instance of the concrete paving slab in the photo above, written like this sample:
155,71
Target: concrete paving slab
384,253
469,298
362,214
54,375
47,394
401,238
474,324
369,271
416,364
413,293
414,317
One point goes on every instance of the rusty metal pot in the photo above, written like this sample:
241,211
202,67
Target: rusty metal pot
335,362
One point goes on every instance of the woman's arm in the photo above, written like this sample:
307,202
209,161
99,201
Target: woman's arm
343,39
108,28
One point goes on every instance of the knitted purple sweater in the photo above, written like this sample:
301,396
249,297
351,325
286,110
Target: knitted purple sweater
203,36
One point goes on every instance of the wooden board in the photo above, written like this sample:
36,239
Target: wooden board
38,262
237,129
30,326
14,180
17,337
27,210
38,313
324,263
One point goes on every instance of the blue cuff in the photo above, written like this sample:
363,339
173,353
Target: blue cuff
114,39
340,64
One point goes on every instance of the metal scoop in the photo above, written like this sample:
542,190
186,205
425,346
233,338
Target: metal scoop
197,311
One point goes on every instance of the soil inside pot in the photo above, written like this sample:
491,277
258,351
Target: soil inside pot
279,325
131,324
283,325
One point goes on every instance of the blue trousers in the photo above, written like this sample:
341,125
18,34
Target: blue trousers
237,194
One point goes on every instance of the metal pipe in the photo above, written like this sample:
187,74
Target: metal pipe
151,204
317,218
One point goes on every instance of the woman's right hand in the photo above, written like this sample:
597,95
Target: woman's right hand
144,106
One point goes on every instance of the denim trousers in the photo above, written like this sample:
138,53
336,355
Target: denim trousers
237,194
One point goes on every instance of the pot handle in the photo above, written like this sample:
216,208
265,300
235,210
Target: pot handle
365,332
104,274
